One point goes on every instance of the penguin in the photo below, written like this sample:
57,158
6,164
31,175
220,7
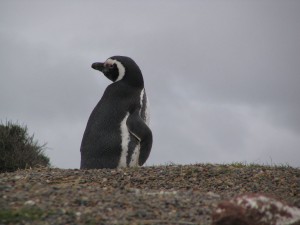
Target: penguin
117,133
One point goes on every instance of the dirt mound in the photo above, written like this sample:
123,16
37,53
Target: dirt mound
147,195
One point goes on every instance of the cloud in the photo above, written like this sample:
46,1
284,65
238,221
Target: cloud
222,78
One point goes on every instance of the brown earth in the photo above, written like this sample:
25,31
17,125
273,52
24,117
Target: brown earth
173,194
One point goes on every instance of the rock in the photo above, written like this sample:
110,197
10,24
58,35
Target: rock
29,203
17,177
212,194
255,209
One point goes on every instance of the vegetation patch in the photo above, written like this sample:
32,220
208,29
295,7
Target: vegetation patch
19,215
19,150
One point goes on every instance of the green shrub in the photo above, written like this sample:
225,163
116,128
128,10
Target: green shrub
19,150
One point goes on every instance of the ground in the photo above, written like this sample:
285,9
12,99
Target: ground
173,194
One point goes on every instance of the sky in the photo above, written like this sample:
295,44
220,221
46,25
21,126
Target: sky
222,77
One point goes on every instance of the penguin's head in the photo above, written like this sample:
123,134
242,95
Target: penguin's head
120,68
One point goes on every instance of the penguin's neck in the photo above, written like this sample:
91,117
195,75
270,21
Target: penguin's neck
134,78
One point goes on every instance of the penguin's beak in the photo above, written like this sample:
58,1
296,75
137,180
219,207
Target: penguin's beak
98,66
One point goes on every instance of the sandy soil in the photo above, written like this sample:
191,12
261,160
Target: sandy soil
173,194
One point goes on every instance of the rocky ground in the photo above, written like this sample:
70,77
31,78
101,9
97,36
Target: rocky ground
173,194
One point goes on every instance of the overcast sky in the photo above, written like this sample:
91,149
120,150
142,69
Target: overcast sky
222,77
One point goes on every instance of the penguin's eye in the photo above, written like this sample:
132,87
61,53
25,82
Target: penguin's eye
110,66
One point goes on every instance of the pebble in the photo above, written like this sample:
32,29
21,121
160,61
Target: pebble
17,177
213,195
29,203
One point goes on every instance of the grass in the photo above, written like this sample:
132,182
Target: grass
24,214
19,149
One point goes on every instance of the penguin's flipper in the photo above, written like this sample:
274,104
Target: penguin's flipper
138,128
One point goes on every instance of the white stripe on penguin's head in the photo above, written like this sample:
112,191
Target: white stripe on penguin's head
120,67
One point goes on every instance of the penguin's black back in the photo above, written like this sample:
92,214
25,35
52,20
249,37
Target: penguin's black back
101,141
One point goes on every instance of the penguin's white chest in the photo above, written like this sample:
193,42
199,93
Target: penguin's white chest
125,140
144,103
126,135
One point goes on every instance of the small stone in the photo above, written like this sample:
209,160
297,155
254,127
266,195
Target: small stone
212,194
63,211
17,177
29,203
